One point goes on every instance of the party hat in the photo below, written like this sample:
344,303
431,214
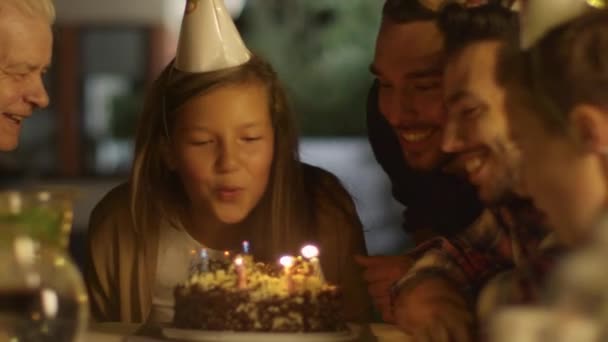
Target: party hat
538,17
208,39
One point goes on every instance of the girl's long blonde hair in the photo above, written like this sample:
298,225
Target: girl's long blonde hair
284,214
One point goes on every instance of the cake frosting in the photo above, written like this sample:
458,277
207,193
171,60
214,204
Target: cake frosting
250,296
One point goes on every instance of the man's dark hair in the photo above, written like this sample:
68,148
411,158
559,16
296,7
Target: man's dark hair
567,67
462,26
405,11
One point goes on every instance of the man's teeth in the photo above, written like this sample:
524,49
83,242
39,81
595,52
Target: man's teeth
473,164
416,136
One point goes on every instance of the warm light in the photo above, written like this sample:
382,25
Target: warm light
226,254
15,203
597,3
44,196
238,261
50,303
59,262
287,261
82,298
310,251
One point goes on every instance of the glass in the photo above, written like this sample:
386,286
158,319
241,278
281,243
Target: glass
42,295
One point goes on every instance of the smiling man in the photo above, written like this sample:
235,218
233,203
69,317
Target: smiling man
405,126
437,297
406,117
25,54
409,66
477,128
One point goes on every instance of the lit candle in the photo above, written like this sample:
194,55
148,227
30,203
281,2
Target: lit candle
311,253
241,275
204,266
246,247
227,256
193,262
287,261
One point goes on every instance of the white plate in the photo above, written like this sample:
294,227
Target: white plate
388,333
227,336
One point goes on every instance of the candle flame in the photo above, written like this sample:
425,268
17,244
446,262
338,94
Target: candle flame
287,261
310,251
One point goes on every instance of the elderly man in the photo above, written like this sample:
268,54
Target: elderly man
25,54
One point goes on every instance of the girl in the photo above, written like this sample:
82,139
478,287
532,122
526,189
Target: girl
216,163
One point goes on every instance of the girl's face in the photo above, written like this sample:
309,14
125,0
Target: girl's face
563,177
223,146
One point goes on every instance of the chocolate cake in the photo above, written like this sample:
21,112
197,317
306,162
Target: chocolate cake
248,296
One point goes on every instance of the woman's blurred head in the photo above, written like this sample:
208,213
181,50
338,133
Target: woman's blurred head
556,94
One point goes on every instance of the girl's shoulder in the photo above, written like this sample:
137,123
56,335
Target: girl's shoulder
112,211
320,179
115,200
327,190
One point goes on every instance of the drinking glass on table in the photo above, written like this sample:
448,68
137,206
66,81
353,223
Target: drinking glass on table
42,295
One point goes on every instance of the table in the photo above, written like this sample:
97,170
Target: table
120,332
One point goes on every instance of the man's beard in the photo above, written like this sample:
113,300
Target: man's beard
503,189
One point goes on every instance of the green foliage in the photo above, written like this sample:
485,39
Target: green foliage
322,50
125,108
43,224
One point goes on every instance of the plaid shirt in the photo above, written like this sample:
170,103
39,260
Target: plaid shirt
510,237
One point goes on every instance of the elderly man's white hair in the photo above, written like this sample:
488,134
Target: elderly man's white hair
42,8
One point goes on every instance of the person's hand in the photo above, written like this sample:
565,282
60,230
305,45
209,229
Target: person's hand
381,272
434,310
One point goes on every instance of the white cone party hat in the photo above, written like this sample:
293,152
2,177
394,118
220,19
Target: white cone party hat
538,17
208,39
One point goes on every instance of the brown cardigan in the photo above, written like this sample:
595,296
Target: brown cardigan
121,264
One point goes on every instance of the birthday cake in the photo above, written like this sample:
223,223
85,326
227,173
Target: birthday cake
243,295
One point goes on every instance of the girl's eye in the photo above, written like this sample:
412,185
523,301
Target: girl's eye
202,142
470,112
252,139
